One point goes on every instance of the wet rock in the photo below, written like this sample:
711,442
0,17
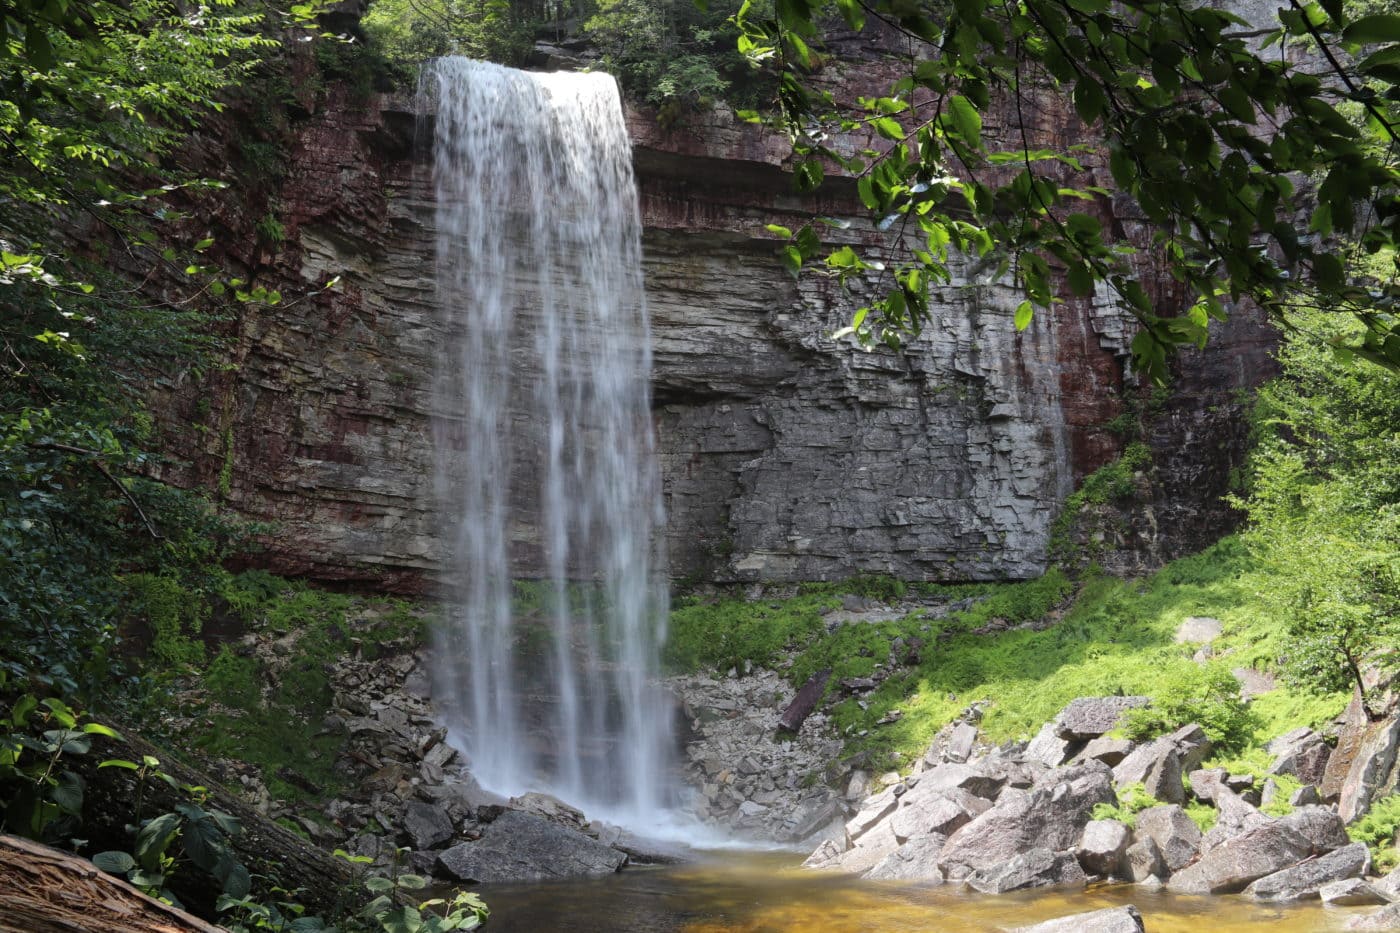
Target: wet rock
1103,848
866,852
1034,868
1232,866
1352,892
1304,880
1145,861
1390,884
550,808
1302,753
1176,836
1052,815
1091,717
1387,918
914,860
1125,919
524,847
428,826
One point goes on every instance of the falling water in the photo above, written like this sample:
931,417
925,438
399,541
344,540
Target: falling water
545,463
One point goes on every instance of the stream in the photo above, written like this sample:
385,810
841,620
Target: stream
768,893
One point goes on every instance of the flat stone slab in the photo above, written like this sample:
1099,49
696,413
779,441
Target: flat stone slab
1124,919
1198,630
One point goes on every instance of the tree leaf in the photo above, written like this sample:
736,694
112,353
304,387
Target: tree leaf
1025,311
966,120
113,862
1378,27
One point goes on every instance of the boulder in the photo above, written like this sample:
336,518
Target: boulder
1233,865
1052,815
1034,868
872,811
1206,784
1103,848
1372,770
1304,880
428,825
866,852
1187,745
1145,861
961,741
1302,753
985,781
1387,918
915,860
1176,836
551,808
1163,779
1048,748
917,815
1198,630
1305,796
1390,884
1236,816
1352,892
1124,919
1322,828
524,847
1091,717
1109,751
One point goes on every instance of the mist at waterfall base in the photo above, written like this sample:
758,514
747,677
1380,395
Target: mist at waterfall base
545,451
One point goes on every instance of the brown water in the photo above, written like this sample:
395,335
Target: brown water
747,893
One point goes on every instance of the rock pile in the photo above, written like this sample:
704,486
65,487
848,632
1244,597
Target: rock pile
1023,817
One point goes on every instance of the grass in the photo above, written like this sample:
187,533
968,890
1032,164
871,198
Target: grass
1113,637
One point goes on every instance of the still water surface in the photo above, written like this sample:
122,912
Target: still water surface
767,893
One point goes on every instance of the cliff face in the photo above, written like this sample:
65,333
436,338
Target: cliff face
785,455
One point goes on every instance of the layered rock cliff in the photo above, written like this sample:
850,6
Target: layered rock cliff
786,455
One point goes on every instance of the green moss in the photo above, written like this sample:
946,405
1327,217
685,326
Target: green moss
173,614
1111,482
720,633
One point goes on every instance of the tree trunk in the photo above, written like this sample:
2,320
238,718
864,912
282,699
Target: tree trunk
314,878
43,890
806,700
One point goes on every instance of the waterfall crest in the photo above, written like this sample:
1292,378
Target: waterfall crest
544,439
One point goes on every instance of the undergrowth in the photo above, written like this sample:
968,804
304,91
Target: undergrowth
1111,637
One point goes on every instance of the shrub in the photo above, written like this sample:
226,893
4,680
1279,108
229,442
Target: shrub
1377,830
1207,695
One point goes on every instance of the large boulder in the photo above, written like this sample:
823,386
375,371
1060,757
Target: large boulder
524,847
1145,861
1052,815
918,815
1323,828
1302,753
864,854
1048,748
915,860
1124,919
1232,866
1235,817
1178,838
1103,848
1091,717
1109,751
1304,880
1372,771
1189,744
1351,892
983,779
1034,868
1387,918
428,825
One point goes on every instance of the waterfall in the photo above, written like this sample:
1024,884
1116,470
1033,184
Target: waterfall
546,465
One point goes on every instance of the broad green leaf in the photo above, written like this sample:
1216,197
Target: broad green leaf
1378,27
116,863
1024,312
966,120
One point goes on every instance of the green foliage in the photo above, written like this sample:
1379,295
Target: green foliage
173,614
1112,482
1175,92
409,32
1208,695
1132,800
1202,814
1377,829
1324,506
674,54
723,633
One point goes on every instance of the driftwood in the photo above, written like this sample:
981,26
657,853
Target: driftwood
320,881
43,890
806,700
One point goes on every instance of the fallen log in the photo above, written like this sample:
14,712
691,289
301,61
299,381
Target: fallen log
43,890
806,700
275,856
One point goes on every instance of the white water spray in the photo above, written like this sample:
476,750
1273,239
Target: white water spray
545,454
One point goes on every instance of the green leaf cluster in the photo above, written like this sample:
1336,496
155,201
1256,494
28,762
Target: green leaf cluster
1204,123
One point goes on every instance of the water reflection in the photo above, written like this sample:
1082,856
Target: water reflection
766,893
